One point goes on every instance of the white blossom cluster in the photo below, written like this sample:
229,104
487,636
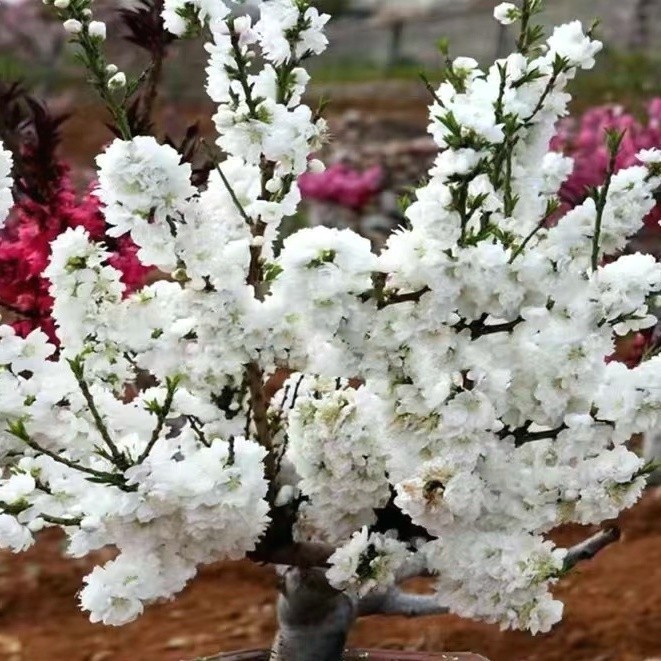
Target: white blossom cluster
341,464
6,198
367,562
459,376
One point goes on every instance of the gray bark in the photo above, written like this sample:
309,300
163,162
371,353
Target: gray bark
314,619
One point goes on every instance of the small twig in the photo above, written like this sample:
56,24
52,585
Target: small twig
118,458
478,328
393,299
430,89
15,510
162,415
226,182
551,208
614,142
242,65
60,521
522,436
18,430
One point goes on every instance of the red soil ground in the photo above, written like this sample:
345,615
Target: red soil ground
613,611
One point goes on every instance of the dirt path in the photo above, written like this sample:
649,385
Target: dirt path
613,611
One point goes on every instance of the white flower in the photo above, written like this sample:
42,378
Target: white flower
460,376
6,198
174,13
141,176
13,535
140,182
72,26
649,156
506,13
569,41
366,563
97,30
16,488
280,35
117,80
334,449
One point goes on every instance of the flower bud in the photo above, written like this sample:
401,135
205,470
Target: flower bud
72,26
117,81
97,30
316,166
62,4
274,185
506,13
241,24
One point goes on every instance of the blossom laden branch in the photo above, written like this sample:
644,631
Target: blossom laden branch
77,366
110,84
613,141
18,430
18,508
384,439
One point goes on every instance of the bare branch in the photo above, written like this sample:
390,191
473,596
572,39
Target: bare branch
302,555
398,602
393,299
587,549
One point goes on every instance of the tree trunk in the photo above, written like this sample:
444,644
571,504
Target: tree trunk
314,619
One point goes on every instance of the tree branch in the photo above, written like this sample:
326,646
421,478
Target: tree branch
117,457
18,430
522,436
398,602
161,416
393,299
304,555
587,549
478,328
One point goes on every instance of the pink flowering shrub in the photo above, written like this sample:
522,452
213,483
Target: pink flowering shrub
46,206
342,185
25,251
584,140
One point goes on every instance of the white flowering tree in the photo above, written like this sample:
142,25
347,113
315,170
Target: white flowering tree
448,401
